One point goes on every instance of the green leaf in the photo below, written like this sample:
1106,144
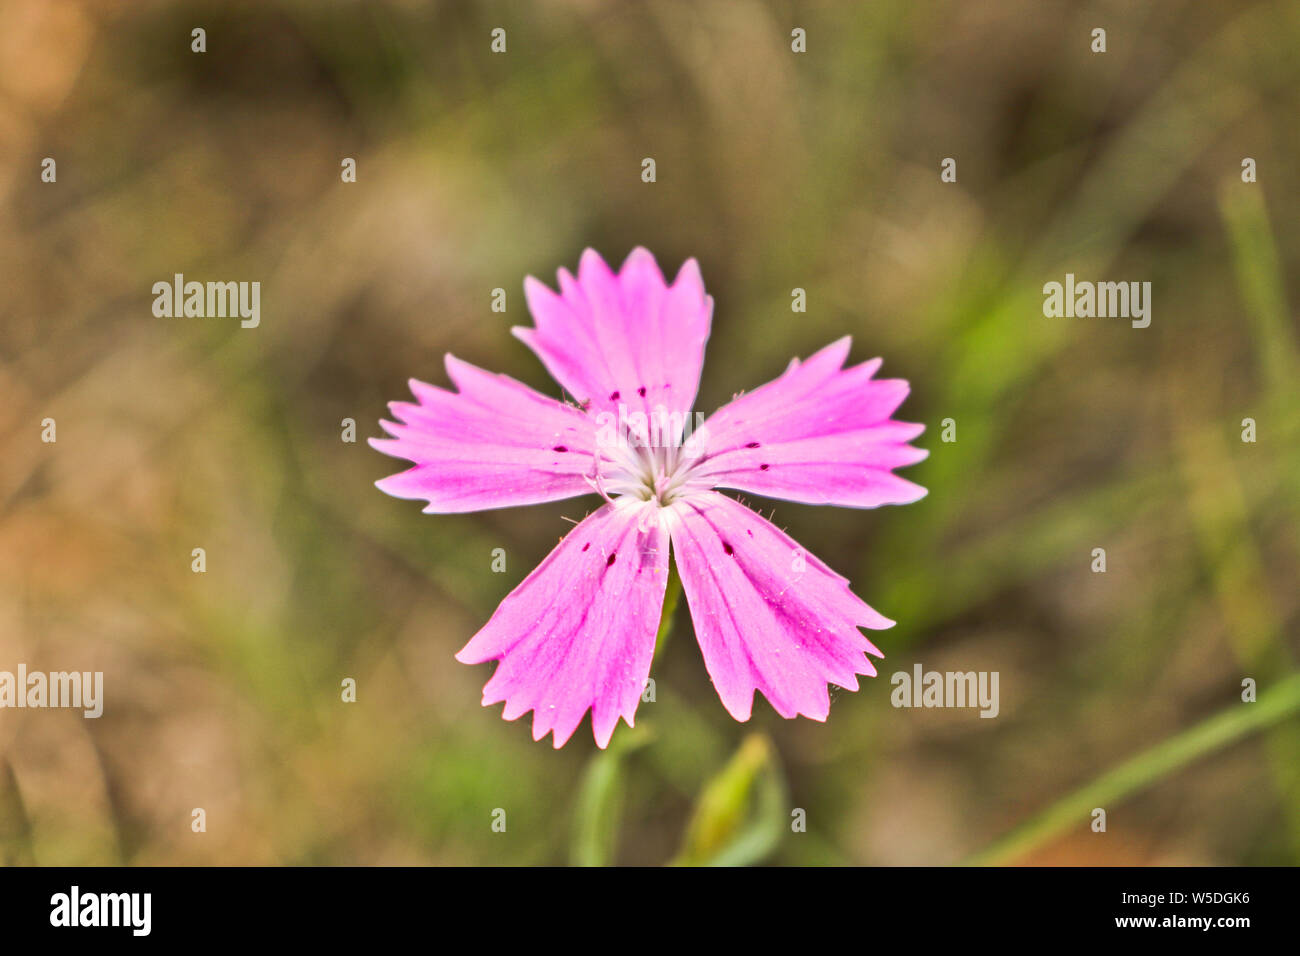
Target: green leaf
741,813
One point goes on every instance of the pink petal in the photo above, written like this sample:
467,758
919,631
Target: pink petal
492,444
627,339
820,434
579,633
768,616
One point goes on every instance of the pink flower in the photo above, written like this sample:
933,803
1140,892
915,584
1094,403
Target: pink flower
579,633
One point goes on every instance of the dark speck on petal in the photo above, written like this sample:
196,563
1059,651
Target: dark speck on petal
611,559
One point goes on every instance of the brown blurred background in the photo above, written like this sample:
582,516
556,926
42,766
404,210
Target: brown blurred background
776,170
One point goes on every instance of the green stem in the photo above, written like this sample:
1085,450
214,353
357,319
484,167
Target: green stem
1146,768
672,593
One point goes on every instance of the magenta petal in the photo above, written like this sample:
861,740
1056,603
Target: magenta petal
628,339
492,444
579,633
819,434
768,615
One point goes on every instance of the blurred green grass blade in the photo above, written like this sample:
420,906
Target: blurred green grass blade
598,811
1223,520
1259,276
1236,721
740,815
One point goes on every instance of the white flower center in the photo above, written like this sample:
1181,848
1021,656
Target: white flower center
661,474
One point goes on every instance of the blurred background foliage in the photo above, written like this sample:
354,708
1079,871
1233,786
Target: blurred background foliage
776,171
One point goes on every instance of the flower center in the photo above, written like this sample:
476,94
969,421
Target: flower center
658,473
